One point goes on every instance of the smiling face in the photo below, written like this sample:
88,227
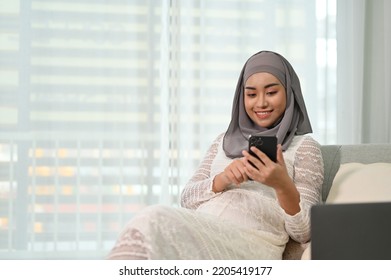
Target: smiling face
264,99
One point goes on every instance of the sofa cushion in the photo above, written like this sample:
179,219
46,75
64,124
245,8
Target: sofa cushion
357,182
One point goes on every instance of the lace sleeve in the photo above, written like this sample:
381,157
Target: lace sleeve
199,187
308,178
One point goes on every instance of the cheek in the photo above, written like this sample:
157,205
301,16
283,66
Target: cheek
248,105
282,106
282,103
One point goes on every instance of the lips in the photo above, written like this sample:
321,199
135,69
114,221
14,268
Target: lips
263,114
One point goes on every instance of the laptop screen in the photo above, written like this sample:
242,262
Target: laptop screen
356,231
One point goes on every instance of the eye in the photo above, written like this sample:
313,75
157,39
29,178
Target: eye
251,95
271,92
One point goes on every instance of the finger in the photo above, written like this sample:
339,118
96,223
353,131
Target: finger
231,177
262,156
250,159
254,173
265,160
241,173
244,173
249,168
234,175
250,171
238,175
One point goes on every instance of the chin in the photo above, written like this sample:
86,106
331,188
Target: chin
263,125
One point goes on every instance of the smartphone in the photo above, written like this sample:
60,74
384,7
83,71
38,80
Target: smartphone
266,144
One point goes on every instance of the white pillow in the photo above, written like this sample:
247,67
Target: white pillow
357,182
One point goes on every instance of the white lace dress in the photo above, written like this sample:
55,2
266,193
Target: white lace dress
243,222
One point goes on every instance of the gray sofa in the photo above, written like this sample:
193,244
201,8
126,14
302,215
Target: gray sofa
333,157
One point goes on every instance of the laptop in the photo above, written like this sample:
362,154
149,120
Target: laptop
354,231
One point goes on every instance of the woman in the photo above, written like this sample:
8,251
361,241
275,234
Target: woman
225,214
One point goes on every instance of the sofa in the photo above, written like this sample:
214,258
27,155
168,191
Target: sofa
333,157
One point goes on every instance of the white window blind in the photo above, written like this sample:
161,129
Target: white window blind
108,106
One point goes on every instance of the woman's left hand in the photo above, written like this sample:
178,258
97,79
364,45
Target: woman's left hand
275,175
266,171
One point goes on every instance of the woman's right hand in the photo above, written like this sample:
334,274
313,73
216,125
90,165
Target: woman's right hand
234,173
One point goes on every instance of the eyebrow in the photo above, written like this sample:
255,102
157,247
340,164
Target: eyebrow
267,86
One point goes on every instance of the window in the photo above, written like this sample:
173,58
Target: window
108,106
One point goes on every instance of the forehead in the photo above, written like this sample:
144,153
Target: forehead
262,78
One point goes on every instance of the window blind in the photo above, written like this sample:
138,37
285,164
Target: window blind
108,106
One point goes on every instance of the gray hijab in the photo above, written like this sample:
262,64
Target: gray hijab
295,120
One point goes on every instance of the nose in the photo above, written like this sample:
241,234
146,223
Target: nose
262,101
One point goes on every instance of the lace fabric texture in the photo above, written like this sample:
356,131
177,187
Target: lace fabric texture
131,246
243,222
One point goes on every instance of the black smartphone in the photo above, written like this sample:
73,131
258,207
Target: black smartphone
266,144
